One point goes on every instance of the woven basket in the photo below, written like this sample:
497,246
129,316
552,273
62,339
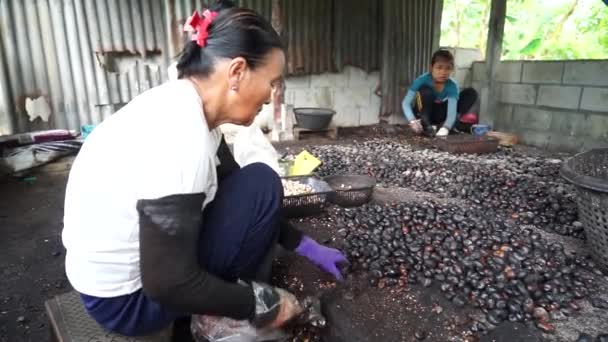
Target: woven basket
306,204
350,190
589,172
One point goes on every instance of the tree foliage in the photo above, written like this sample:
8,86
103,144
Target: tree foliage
534,29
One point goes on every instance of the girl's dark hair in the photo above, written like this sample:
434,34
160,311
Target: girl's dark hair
443,55
235,32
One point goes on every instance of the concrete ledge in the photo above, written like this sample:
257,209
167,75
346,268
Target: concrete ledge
559,96
534,138
543,72
509,72
595,99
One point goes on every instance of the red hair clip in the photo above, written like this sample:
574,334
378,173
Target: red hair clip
200,26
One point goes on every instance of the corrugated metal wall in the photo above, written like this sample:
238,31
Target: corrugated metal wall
358,33
87,58
308,34
411,31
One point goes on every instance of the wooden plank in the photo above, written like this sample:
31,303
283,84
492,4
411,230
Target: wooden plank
57,323
70,322
331,132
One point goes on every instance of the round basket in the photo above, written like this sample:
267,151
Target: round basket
350,190
589,172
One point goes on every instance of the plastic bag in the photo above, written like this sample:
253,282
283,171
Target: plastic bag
251,146
222,329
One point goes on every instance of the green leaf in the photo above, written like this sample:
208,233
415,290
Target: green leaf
511,19
532,47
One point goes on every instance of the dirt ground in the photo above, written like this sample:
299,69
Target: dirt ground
32,256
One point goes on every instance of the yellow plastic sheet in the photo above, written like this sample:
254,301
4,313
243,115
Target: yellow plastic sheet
304,164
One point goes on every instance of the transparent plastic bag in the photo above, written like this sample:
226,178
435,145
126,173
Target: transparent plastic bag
251,146
222,329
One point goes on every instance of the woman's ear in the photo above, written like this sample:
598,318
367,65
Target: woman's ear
236,72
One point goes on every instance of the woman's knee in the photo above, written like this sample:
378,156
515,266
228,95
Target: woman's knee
470,94
264,176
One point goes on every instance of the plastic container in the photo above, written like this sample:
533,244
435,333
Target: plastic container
589,172
314,119
479,130
350,190
307,204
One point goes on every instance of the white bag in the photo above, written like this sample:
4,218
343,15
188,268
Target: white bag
251,146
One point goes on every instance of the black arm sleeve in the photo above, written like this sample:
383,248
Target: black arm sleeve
227,162
168,238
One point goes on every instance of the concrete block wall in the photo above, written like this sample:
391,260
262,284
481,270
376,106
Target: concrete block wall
350,93
556,105
463,68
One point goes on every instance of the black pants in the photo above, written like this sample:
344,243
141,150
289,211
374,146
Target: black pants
432,113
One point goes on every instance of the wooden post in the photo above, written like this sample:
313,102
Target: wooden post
279,91
496,30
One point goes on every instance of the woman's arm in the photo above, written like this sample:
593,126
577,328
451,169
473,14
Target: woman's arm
451,117
407,105
171,275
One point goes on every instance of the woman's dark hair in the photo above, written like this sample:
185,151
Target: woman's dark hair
442,55
235,32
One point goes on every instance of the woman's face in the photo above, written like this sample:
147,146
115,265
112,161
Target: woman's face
253,88
441,71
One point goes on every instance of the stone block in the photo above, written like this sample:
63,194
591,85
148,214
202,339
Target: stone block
509,72
300,82
317,97
598,126
559,96
352,96
543,72
464,58
532,118
347,116
568,123
371,115
595,99
359,78
479,72
517,93
332,80
586,73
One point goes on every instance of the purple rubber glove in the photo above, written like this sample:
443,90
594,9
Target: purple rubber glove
324,257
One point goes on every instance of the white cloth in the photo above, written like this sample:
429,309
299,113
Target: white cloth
157,145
